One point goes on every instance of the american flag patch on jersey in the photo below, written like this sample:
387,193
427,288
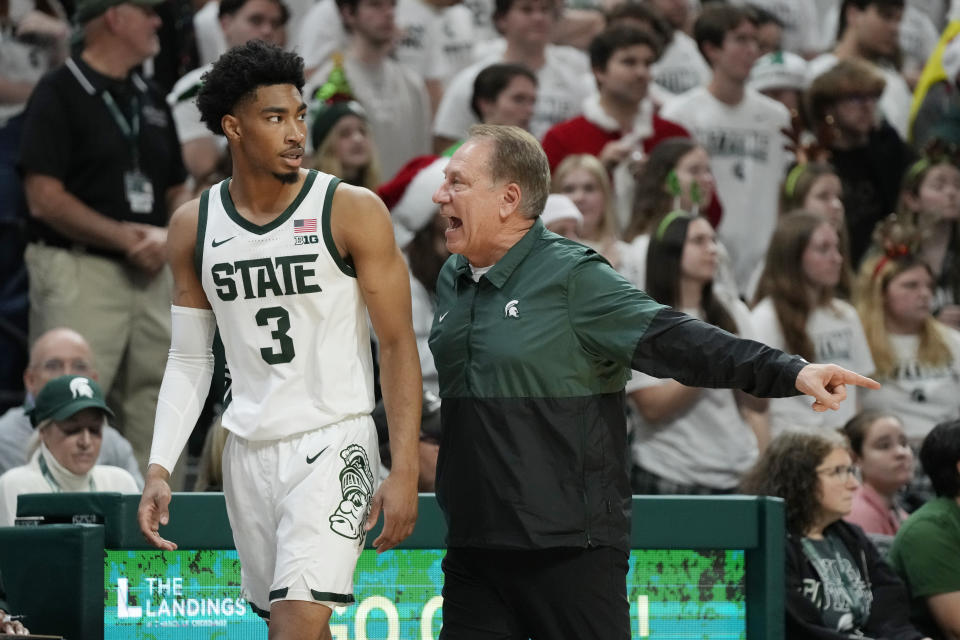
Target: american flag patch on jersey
307,225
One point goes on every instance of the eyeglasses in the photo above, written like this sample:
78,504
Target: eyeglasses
842,472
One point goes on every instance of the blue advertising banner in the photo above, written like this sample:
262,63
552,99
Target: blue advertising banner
195,595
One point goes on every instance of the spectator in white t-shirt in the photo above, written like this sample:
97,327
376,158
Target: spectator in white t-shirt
689,440
917,357
394,98
741,131
563,73
798,311
869,30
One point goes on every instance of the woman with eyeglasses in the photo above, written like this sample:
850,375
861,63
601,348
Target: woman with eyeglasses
837,584
69,417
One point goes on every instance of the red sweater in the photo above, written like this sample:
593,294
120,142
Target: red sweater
579,135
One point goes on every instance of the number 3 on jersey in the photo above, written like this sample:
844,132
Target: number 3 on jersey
286,353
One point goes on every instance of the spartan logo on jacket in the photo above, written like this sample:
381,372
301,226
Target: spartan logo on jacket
263,277
356,485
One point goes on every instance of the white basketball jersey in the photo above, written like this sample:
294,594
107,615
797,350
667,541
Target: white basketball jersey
290,314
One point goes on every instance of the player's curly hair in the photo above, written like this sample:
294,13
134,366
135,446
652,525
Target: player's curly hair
238,73
788,470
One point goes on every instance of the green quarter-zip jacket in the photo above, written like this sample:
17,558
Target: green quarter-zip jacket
532,361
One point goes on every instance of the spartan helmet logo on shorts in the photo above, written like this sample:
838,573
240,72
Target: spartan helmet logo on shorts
356,484
80,388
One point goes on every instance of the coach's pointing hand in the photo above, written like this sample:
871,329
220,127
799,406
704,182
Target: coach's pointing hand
827,383
397,497
154,505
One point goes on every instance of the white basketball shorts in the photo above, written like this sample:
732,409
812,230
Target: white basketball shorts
297,507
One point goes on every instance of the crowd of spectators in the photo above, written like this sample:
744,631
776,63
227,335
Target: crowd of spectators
788,170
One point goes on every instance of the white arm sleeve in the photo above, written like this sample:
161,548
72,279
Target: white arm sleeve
186,381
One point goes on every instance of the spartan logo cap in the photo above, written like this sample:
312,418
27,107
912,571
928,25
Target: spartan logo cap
64,396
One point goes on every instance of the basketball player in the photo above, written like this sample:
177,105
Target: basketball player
287,262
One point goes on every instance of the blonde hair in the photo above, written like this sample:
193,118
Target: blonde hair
325,159
876,273
210,473
33,442
608,227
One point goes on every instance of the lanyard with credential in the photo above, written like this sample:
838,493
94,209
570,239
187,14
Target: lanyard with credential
130,130
45,470
137,185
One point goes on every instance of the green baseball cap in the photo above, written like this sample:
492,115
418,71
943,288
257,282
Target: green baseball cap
64,396
87,10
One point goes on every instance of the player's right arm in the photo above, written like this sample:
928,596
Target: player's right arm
187,375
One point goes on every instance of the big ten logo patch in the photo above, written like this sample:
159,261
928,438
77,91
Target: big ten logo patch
303,240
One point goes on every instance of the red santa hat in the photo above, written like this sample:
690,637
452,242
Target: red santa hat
409,195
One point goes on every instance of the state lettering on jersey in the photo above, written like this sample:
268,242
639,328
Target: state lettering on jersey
265,277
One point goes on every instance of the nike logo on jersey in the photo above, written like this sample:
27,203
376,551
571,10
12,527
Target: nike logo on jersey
314,458
442,316
217,243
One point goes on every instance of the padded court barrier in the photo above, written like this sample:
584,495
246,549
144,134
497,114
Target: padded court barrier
54,572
